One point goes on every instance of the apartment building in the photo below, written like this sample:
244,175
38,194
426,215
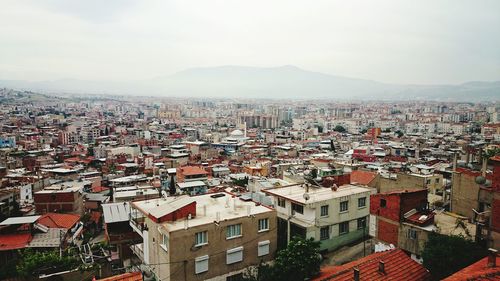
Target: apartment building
335,217
206,237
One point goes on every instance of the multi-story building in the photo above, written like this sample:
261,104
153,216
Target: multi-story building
206,237
335,217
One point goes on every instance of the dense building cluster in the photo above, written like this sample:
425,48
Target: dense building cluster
186,189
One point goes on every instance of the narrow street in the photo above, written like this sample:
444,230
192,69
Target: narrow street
347,253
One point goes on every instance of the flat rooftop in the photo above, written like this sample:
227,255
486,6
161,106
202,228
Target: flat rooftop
316,194
209,208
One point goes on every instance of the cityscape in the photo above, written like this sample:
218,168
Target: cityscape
237,171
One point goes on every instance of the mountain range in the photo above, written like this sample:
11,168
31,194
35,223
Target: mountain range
273,82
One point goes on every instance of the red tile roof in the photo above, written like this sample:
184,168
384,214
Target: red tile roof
362,177
192,170
14,241
477,272
55,220
130,276
398,266
97,189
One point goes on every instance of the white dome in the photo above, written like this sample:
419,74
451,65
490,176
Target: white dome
236,133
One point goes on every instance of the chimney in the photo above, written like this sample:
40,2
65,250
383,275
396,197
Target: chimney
381,267
492,257
356,274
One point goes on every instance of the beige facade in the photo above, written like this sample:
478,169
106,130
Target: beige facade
198,247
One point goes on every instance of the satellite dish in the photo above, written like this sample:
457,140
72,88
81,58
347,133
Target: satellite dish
306,196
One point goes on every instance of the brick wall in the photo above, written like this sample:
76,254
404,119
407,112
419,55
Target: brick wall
391,209
387,231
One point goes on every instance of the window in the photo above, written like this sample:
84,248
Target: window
437,180
361,223
201,264
234,255
383,202
324,211
233,231
344,206
428,181
263,224
412,234
362,202
164,242
263,248
297,208
201,238
343,227
324,233
281,202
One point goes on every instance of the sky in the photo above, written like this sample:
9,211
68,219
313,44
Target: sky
393,41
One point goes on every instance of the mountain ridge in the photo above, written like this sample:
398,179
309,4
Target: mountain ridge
287,81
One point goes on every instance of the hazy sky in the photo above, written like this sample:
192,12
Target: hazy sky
390,41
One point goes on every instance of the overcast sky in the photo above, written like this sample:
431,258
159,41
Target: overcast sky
390,41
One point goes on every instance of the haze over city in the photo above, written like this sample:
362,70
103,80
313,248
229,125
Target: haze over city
402,42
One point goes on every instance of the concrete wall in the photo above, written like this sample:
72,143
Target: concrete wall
179,259
464,194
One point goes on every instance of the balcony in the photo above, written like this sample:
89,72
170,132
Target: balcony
138,250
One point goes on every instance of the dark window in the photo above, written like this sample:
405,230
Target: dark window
361,223
281,202
324,210
297,208
344,227
362,202
383,203
324,233
344,206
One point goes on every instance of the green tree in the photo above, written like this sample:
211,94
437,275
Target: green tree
399,133
300,260
339,129
34,262
444,255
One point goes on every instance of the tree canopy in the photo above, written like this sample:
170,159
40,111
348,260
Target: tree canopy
298,261
444,255
339,129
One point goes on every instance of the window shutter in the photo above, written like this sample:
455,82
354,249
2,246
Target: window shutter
263,248
234,255
201,264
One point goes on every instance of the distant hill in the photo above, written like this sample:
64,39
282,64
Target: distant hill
273,82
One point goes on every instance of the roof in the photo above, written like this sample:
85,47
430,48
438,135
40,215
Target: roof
189,184
398,266
192,170
130,276
296,193
20,220
477,271
51,239
55,220
14,241
219,206
362,177
116,212
172,206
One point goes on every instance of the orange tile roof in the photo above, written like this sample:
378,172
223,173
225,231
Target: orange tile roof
14,241
192,170
130,276
398,266
362,177
55,220
477,272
